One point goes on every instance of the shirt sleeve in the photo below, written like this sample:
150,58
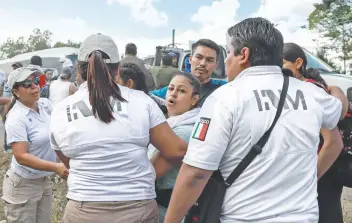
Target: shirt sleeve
16,131
57,128
156,116
210,136
161,93
331,107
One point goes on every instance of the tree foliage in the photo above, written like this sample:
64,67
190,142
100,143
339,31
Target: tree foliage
333,20
69,43
323,55
38,40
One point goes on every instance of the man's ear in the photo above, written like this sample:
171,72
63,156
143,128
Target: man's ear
299,63
190,58
245,53
130,83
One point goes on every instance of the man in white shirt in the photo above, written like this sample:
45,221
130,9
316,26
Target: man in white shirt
280,185
61,88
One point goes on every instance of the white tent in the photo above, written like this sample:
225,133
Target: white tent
52,58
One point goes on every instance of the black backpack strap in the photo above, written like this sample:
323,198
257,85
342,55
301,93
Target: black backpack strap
257,148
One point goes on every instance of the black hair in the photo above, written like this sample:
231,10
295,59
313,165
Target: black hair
8,107
167,60
133,72
292,52
264,41
101,84
17,65
314,74
131,49
36,60
207,43
194,82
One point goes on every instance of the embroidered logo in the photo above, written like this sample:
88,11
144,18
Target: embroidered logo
201,129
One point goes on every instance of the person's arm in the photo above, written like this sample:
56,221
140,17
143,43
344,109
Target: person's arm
330,150
64,159
72,89
171,147
17,138
338,93
207,146
20,152
161,93
57,132
4,101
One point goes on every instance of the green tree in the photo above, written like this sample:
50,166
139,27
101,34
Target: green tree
13,47
39,40
322,54
69,43
333,20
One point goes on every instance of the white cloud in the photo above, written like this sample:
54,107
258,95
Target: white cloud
289,17
213,22
144,11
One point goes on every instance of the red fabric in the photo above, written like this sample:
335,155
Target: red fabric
42,80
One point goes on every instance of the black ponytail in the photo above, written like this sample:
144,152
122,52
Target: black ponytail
132,71
8,107
101,85
314,74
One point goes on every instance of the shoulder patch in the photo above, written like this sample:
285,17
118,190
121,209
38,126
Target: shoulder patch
201,129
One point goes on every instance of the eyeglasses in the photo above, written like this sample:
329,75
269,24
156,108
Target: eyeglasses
28,83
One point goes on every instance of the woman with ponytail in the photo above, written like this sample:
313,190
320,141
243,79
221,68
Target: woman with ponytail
329,192
102,133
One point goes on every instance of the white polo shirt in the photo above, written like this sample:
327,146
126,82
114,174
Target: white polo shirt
26,125
108,162
280,185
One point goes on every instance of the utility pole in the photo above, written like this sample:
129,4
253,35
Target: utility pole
344,47
173,38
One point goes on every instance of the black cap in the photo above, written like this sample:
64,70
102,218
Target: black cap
36,60
17,65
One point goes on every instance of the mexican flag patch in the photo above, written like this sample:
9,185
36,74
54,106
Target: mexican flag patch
201,129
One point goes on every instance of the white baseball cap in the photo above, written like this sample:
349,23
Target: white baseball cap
20,74
99,42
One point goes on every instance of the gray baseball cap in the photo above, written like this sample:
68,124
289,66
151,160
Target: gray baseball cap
99,42
20,74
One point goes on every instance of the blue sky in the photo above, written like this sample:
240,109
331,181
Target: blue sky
146,22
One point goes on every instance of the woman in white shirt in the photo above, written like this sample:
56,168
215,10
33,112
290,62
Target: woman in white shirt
101,133
26,189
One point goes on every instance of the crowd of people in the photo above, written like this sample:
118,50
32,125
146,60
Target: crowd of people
132,154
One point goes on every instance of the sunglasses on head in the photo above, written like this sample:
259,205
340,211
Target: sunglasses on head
28,83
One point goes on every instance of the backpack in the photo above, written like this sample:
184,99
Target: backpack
343,165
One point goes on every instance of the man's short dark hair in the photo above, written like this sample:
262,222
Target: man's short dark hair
36,60
167,60
264,41
17,65
131,49
207,43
